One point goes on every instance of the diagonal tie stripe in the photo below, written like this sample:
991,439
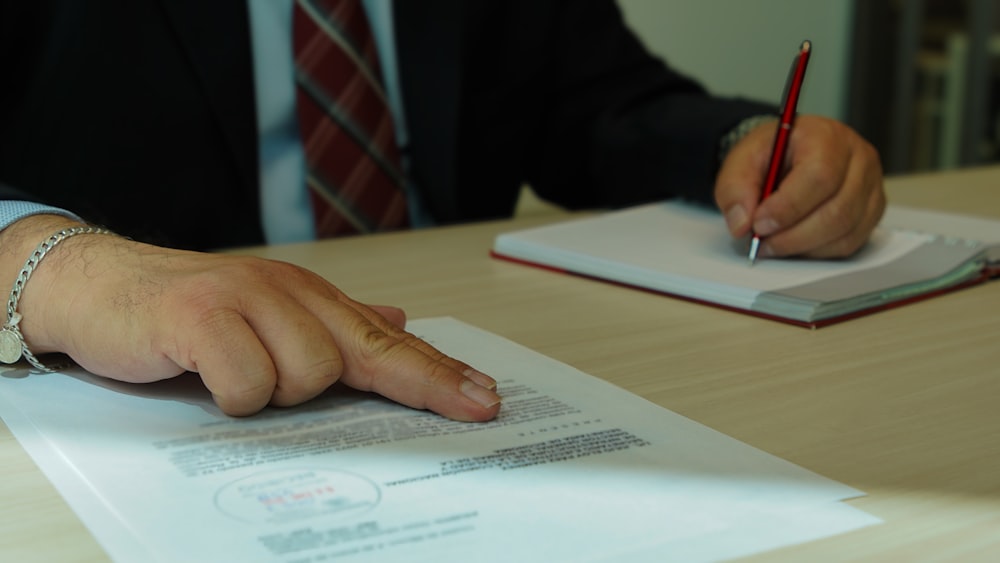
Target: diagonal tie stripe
353,172
345,24
348,180
365,126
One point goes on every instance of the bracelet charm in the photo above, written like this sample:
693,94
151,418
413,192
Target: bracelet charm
10,342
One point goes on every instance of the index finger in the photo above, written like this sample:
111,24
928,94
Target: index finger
381,357
803,190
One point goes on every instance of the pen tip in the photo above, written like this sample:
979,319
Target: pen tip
754,248
806,46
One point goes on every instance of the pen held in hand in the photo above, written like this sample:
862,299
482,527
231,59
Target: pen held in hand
792,89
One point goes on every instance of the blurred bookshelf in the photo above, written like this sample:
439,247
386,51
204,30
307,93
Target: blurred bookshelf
920,79
925,81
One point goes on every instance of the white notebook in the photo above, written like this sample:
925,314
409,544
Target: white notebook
684,250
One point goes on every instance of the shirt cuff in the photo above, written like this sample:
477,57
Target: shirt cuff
13,210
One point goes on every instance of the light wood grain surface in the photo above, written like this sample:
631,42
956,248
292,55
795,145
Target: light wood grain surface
903,404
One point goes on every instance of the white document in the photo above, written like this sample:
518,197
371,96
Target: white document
573,469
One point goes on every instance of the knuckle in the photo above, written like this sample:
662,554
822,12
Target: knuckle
439,375
320,374
794,209
786,210
381,351
826,177
376,350
211,318
375,342
249,272
838,215
308,381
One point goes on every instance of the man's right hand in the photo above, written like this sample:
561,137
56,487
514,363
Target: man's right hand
257,331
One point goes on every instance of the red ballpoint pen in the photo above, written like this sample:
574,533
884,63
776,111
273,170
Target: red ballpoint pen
792,89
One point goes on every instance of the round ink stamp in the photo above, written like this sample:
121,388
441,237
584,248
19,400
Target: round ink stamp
287,495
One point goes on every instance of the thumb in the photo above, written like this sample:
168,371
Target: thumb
740,181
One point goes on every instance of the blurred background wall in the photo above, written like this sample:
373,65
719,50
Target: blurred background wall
919,78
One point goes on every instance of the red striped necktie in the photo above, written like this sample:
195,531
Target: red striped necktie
352,160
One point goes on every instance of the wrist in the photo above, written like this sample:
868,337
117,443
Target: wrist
41,302
741,130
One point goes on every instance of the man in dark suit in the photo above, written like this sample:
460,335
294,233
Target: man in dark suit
140,115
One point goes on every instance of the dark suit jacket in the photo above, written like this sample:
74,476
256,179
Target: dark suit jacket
139,114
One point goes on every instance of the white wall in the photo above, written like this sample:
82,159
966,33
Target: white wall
746,47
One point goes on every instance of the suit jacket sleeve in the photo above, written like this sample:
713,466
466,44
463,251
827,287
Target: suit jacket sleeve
561,94
641,130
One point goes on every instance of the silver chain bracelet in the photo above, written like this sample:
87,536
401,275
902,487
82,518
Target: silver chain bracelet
12,344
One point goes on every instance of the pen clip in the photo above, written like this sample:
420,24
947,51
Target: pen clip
804,50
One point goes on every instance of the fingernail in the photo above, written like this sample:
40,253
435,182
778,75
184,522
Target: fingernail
736,217
481,378
765,226
479,394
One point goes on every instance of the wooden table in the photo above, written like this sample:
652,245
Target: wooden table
904,404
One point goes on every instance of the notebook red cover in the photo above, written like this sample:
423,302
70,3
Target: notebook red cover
684,251
987,274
